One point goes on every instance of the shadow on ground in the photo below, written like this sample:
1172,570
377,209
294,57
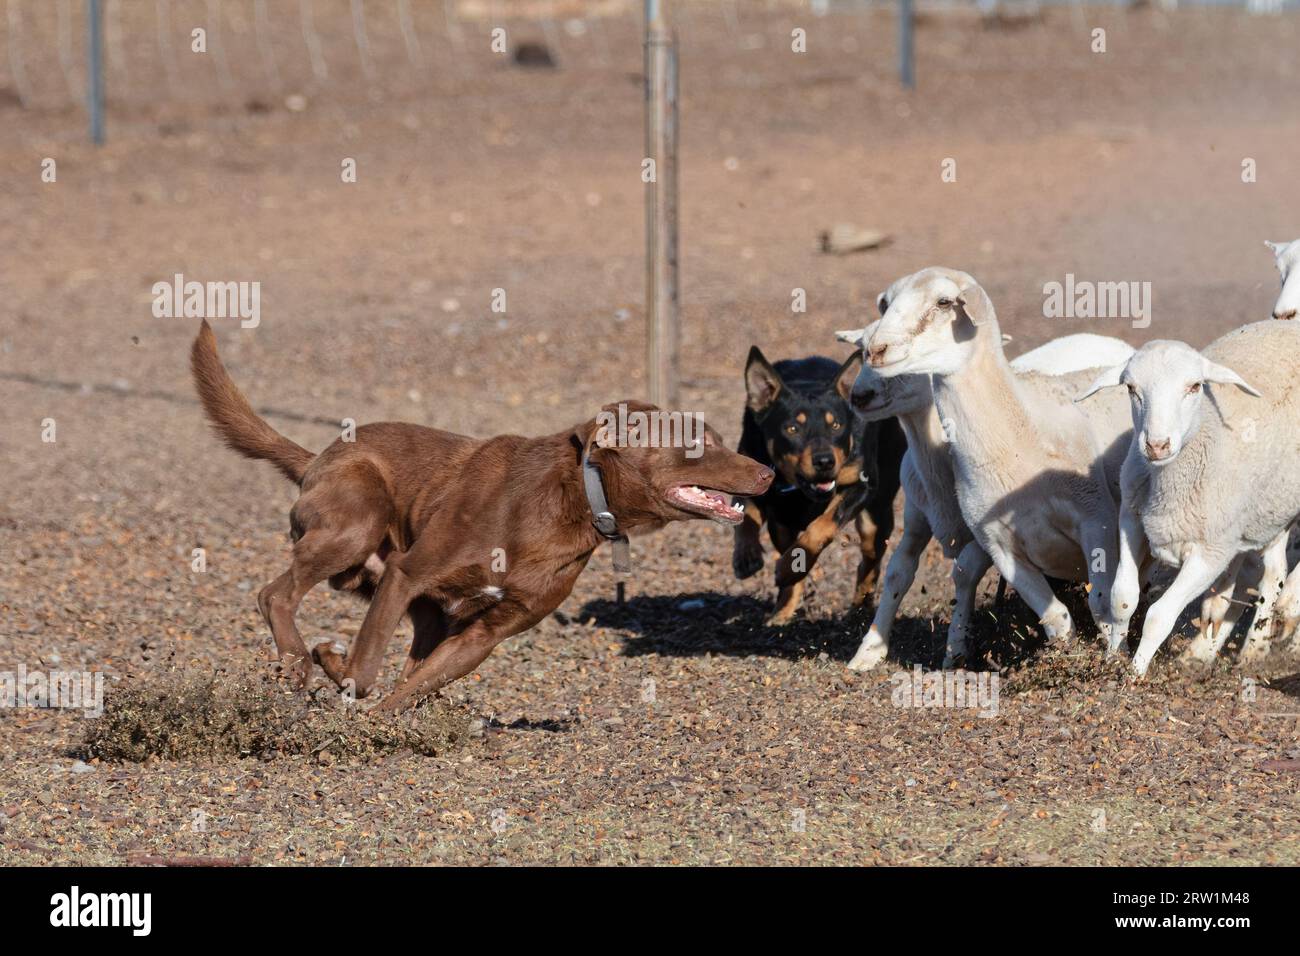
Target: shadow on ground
702,623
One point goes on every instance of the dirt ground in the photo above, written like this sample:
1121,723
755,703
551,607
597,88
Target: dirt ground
676,728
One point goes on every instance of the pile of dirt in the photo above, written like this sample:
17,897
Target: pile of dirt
184,713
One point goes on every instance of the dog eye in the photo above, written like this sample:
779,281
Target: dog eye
1193,388
792,429
836,426
944,302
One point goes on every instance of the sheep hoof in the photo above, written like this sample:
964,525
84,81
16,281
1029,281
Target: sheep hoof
1255,651
1200,651
868,656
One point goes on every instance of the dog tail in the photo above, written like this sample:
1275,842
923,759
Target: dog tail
232,416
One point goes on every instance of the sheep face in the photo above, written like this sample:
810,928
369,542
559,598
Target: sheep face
1287,255
929,324
1166,383
875,397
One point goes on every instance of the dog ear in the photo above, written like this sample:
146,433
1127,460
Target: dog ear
762,382
1107,379
600,432
603,435
1222,375
848,374
975,304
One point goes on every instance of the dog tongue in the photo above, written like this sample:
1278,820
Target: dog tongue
701,496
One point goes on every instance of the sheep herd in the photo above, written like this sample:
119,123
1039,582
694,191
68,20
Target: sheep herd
1086,460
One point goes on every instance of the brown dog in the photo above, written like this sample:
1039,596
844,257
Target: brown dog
476,540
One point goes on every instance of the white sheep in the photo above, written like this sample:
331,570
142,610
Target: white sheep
1073,353
1288,609
1266,574
1210,473
1036,484
1287,256
930,503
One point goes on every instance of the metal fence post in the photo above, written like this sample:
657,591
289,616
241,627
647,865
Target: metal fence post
662,330
906,68
95,69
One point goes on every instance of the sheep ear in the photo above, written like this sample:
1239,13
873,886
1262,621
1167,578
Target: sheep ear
848,374
762,382
858,337
1221,375
1107,379
974,301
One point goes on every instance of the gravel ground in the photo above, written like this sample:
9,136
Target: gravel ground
675,727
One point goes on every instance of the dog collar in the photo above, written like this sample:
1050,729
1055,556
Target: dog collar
601,517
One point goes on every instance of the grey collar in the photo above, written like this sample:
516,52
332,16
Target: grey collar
601,517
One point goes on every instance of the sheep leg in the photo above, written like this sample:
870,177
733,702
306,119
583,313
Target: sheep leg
967,573
1216,610
1198,572
1270,587
1288,609
1033,587
1126,589
1098,544
1229,610
899,575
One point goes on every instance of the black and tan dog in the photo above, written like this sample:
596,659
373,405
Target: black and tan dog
831,469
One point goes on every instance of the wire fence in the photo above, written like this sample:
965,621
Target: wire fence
270,47
250,51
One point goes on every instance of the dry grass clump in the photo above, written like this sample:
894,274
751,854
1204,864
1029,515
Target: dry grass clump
185,714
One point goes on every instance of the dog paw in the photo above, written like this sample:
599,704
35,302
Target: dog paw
330,656
780,617
296,670
747,562
864,597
